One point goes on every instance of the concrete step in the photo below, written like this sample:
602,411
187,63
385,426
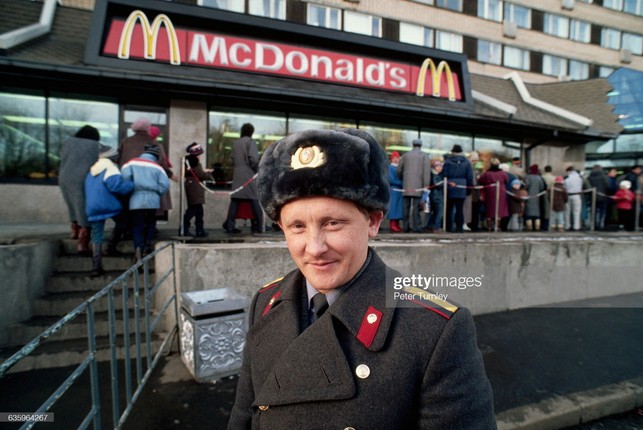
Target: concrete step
24,332
73,352
76,263
68,246
80,281
60,304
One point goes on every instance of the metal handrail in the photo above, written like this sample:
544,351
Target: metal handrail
90,362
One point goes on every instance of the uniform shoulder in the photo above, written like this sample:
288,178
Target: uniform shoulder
431,301
270,285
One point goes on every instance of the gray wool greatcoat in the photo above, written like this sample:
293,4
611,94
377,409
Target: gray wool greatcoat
245,158
415,172
408,368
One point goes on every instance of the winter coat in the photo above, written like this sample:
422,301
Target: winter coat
560,198
245,159
77,155
414,171
516,201
535,186
150,181
574,183
624,199
103,184
194,191
488,178
395,210
362,354
437,192
599,180
457,169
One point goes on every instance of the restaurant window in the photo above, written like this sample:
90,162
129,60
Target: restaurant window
297,124
579,31
610,38
490,9
556,25
489,52
554,66
416,34
224,130
448,41
360,23
633,42
515,58
275,9
489,148
578,70
231,5
392,138
322,16
450,4
437,143
518,14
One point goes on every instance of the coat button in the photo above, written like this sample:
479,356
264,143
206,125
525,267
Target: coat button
362,371
349,428
371,318
263,408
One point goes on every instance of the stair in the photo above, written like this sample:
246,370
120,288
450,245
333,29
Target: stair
68,287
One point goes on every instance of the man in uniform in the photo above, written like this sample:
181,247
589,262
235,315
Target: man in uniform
323,349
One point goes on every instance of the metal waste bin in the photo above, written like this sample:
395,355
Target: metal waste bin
213,332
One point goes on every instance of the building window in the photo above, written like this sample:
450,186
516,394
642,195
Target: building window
604,71
578,70
489,52
516,58
416,34
610,38
322,16
363,24
438,143
556,25
448,41
613,4
633,42
275,9
429,2
490,9
580,31
231,5
518,14
554,66
633,6
450,4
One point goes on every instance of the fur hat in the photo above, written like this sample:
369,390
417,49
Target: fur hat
345,164
194,149
154,132
534,169
417,142
141,124
559,180
155,150
457,149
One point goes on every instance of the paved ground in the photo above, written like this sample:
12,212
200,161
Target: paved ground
549,368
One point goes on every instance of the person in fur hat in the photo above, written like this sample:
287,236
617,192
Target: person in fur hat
324,349
194,191
103,186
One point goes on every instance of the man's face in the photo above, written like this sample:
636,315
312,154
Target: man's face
637,171
328,238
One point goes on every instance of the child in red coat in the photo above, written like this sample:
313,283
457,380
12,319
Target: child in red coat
624,199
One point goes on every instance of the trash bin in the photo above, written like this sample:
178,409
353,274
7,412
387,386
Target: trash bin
213,332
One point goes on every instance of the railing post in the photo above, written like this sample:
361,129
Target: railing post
551,205
593,217
496,220
93,367
445,204
637,209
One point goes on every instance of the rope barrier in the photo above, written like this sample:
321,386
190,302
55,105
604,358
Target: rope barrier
227,193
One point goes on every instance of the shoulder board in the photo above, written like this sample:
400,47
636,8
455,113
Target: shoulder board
271,284
432,301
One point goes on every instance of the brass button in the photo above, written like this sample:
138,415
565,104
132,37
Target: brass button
362,371
349,428
263,407
371,318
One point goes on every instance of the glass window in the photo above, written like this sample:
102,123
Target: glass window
489,148
301,123
423,1
518,14
516,58
489,52
579,31
613,4
556,25
448,41
416,34
439,143
231,5
392,138
363,24
604,71
610,38
633,6
450,4
321,16
633,42
578,70
490,9
225,130
554,66
269,8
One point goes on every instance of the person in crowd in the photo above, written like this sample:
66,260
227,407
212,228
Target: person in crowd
624,200
598,179
396,212
150,182
77,155
559,202
194,191
458,173
612,214
415,172
472,210
516,169
549,179
494,175
634,176
574,188
325,347
436,198
166,199
535,186
104,185
516,205
504,221
245,159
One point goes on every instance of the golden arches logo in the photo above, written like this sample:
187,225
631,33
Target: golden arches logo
436,77
150,36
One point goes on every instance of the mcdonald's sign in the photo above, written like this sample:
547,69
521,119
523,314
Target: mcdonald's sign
158,40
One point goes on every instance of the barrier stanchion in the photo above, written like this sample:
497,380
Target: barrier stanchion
593,214
444,206
496,221
551,205
181,188
637,210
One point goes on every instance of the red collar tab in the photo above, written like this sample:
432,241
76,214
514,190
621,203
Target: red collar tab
272,301
370,324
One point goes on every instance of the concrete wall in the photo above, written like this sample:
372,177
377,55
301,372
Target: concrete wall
514,274
24,269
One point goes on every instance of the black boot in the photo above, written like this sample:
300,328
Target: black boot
97,261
